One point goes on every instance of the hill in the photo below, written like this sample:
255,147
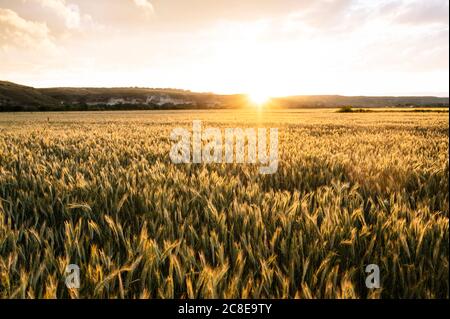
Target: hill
362,101
15,97
140,98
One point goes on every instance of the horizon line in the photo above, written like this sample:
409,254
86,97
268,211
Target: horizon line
424,94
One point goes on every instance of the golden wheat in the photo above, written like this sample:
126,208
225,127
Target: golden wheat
98,190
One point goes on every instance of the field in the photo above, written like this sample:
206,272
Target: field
98,190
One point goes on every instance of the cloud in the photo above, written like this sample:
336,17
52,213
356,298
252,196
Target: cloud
418,12
326,16
25,46
146,5
18,32
69,12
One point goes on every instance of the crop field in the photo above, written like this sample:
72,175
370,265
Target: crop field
99,190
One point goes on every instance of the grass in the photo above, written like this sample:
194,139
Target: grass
98,190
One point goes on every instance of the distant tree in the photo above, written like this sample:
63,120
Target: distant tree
346,109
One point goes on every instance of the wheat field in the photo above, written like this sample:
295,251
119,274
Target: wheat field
98,190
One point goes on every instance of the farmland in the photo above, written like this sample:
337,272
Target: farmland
98,189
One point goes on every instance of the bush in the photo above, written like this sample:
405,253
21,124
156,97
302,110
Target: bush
346,109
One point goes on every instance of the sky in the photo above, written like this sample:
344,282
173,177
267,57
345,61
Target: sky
273,47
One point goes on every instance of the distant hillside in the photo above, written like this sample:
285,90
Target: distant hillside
140,98
23,98
362,101
14,97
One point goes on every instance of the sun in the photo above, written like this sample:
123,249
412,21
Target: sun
258,98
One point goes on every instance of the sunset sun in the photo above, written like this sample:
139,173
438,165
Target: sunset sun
258,98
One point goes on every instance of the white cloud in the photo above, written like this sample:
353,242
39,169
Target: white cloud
146,5
69,12
417,12
18,32
25,46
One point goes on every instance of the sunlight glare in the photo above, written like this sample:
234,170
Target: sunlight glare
258,98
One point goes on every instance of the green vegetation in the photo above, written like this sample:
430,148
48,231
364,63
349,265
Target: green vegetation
349,109
99,190
346,109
